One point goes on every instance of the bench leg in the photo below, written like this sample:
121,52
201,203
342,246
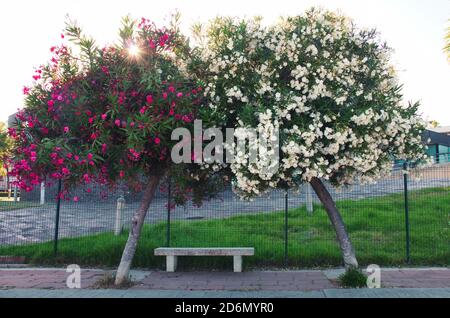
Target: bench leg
237,263
171,263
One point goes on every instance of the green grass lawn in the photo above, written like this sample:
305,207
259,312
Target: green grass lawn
376,226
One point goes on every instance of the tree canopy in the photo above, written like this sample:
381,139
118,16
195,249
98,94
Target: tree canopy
106,115
327,87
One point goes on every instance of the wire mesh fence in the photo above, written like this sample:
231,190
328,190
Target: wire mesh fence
402,218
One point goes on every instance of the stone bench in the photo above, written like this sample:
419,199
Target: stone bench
172,253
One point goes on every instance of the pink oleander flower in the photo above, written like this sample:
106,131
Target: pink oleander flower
66,129
76,199
90,156
104,116
186,119
157,140
149,99
122,174
12,132
179,94
117,122
105,70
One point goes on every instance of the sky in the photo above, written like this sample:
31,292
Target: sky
415,29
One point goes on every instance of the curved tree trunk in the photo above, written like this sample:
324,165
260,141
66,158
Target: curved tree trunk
344,241
135,231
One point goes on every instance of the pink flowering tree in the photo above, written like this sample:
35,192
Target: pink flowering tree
105,116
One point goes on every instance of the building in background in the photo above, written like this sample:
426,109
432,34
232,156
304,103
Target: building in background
441,130
438,142
12,120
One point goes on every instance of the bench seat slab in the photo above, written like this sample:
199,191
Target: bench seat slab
178,251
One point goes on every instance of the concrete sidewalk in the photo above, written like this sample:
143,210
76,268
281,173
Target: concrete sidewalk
180,294
51,282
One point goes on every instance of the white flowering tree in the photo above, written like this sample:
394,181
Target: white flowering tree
328,88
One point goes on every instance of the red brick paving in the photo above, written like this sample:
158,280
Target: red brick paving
416,278
246,281
47,279
286,281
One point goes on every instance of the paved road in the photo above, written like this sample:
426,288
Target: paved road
37,224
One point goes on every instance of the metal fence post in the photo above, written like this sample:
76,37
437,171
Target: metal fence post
15,193
168,213
405,186
8,184
42,194
119,210
286,207
58,206
309,200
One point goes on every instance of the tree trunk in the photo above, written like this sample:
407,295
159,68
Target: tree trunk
135,231
344,241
